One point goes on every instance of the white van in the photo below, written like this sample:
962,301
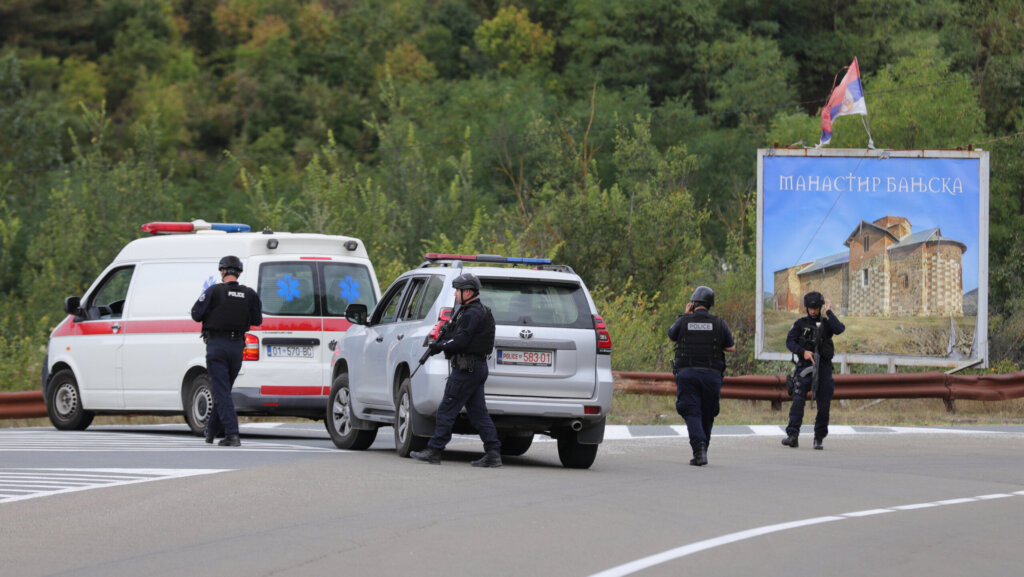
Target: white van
130,346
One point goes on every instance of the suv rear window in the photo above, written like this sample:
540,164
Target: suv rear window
537,303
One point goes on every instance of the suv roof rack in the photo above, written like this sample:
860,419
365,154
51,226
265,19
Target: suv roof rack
458,261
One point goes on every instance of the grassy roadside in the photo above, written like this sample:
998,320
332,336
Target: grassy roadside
658,410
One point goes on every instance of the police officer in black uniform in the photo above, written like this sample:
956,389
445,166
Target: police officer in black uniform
809,334
470,343
701,339
227,310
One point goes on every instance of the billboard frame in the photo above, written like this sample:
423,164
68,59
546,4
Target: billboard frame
979,348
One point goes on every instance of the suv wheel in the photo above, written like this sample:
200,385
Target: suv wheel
405,441
339,419
515,446
198,403
573,454
64,404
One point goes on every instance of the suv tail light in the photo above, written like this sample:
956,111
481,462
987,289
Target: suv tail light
604,340
442,317
251,352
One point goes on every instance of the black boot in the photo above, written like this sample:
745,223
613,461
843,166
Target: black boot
791,441
700,456
817,444
211,435
490,459
428,455
231,441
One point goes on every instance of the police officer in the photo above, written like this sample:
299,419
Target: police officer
809,334
227,310
701,339
470,342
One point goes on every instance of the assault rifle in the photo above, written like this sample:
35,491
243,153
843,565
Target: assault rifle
441,335
817,363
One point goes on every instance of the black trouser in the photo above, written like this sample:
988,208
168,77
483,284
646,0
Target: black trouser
223,361
465,389
826,388
697,401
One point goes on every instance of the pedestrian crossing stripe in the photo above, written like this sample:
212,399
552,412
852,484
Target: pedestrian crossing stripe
22,484
35,440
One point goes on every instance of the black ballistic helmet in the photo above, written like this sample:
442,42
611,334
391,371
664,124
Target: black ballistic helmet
813,300
232,264
703,295
466,281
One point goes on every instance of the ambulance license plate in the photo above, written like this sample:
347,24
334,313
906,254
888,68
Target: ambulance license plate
530,358
290,351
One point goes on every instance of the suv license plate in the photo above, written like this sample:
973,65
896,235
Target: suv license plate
531,358
290,351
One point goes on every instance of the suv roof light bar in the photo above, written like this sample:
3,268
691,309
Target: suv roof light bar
194,226
488,258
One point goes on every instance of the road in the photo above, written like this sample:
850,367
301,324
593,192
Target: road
156,501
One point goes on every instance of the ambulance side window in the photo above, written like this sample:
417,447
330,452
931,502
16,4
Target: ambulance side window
108,300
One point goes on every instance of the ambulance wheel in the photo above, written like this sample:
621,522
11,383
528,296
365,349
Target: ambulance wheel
339,419
405,441
64,404
198,403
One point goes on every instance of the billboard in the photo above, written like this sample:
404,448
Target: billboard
896,240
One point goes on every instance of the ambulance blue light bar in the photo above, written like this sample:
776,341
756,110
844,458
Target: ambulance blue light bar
491,258
194,226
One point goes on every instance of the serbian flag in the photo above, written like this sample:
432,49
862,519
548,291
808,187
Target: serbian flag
847,98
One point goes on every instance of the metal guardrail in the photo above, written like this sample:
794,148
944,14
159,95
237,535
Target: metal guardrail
29,404
22,405
932,385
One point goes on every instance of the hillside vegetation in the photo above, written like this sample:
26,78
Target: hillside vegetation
617,137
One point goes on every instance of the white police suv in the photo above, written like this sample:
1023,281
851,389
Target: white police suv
130,346
550,371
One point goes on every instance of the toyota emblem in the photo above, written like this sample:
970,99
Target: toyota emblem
526,334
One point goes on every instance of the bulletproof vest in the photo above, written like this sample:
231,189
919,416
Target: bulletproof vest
700,342
824,346
483,342
229,309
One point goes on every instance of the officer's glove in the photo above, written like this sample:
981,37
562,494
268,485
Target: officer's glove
434,348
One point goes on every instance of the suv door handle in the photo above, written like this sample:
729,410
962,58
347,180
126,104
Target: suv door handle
380,339
115,327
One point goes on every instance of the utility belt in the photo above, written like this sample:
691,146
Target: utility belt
231,335
678,364
466,361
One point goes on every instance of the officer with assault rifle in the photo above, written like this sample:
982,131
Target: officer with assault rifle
810,340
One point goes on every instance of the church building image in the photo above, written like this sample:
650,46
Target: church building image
887,270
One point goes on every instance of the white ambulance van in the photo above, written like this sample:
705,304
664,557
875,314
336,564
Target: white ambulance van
130,346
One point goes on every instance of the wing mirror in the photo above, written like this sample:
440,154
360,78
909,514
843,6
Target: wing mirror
73,306
355,313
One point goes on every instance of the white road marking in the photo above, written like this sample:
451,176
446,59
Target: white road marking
685,550
22,484
35,440
765,430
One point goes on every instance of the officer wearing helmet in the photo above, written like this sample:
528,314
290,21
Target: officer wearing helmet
809,335
467,347
227,310
701,340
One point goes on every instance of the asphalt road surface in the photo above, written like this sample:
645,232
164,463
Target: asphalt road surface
155,501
